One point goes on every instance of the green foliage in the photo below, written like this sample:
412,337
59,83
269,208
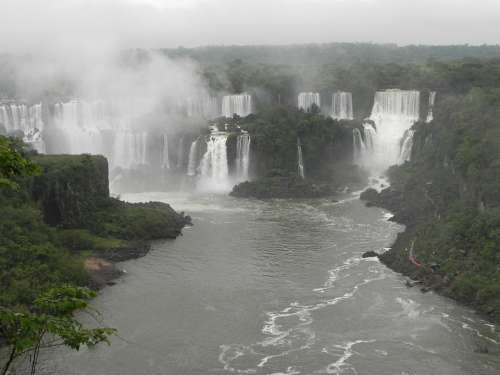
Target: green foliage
451,190
50,323
13,164
140,221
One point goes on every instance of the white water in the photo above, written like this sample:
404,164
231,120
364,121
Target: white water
28,120
300,160
214,168
342,106
192,162
242,157
206,107
129,150
307,99
406,146
165,159
432,101
394,112
240,105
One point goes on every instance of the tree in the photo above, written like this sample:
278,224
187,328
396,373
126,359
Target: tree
50,323
13,163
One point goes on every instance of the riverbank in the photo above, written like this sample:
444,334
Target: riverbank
409,256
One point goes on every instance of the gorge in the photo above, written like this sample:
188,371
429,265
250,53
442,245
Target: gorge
272,278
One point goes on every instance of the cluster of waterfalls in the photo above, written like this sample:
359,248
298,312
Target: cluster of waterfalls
386,137
341,108
97,127
211,107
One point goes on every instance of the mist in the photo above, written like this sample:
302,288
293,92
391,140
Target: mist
72,25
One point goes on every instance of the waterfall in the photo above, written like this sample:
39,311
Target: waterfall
307,99
28,120
205,106
364,143
342,106
358,146
165,160
193,155
406,146
394,112
214,167
242,156
240,105
432,101
300,161
130,149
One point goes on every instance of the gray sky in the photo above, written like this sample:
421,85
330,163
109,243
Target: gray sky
64,24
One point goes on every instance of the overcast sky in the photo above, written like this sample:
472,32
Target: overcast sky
31,24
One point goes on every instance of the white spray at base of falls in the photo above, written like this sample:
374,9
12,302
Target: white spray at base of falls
394,112
300,160
240,105
430,111
342,106
214,168
192,161
242,157
307,99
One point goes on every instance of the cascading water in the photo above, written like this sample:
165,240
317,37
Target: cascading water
432,101
165,159
394,112
130,149
242,156
28,120
206,107
406,146
307,99
240,105
193,155
342,106
300,160
358,145
213,166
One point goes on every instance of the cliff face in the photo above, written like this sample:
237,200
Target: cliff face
448,197
71,188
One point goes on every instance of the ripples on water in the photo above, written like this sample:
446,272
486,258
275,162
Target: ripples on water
280,288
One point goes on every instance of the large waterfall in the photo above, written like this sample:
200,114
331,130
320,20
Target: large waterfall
307,99
240,105
28,120
193,155
300,160
342,106
394,112
214,168
430,111
242,156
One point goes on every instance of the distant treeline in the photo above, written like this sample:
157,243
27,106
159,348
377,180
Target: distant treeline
337,53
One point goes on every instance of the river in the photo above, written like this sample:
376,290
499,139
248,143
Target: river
278,287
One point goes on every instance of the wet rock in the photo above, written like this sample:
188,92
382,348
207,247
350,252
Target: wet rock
370,254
